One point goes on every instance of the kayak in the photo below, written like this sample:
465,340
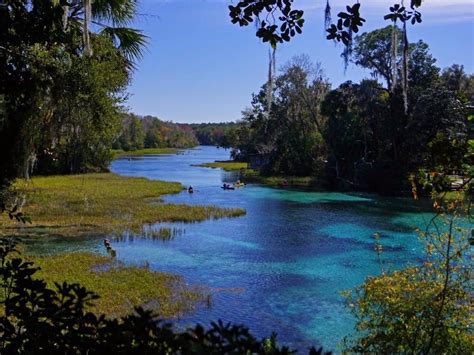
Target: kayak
227,188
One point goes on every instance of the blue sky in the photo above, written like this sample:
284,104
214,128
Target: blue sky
200,68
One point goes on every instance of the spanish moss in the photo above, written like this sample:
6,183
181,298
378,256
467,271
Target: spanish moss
271,73
327,16
347,52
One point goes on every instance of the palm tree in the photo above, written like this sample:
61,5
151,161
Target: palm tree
107,17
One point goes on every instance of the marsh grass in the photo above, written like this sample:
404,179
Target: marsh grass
121,287
147,151
101,204
291,181
228,165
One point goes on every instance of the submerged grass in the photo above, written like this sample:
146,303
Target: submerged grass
227,165
121,287
100,204
147,151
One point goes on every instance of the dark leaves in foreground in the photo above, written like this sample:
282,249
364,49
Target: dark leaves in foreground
276,20
40,320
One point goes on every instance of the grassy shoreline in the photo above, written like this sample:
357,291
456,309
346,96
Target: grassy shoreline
121,287
117,153
106,203
251,175
304,182
102,204
227,165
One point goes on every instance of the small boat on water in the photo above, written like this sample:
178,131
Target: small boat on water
239,184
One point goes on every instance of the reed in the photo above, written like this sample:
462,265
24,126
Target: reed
101,204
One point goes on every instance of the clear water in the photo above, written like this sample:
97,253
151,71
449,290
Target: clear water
282,266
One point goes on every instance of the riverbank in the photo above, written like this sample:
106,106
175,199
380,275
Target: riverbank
107,203
252,175
147,151
302,182
227,165
120,287
76,205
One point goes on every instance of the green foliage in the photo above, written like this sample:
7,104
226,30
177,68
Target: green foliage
441,127
60,105
358,136
136,134
42,320
360,133
290,134
83,123
151,132
372,50
219,134
121,287
458,81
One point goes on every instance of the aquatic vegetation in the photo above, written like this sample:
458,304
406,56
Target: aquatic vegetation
146,151
100,204
121,287
288,181
229,165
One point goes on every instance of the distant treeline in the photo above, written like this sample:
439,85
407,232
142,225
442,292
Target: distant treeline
214,133
150,132
139,132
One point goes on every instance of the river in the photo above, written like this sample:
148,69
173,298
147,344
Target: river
283,265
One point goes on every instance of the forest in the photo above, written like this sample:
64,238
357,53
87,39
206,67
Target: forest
361,135
65,67
150,132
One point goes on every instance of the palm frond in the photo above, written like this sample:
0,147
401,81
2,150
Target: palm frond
131,42
116,12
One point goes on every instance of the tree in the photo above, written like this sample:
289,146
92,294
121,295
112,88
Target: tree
290,133
372,51
437,132
136,133
456,80
87,117
38,42
359,129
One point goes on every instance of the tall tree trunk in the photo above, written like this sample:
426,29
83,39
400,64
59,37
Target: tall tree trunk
394,55
405,67
87,20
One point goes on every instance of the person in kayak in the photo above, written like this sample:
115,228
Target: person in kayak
190,189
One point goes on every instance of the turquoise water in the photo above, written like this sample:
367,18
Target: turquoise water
282,266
